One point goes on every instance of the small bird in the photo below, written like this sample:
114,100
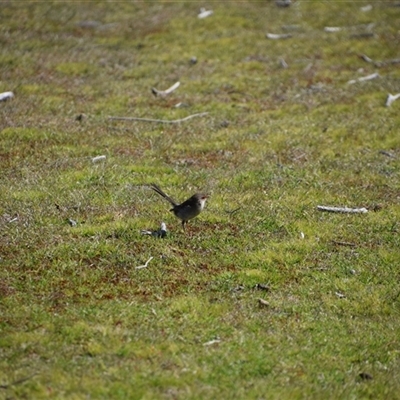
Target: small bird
189,209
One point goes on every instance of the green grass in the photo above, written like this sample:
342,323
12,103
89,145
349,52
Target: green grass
79,320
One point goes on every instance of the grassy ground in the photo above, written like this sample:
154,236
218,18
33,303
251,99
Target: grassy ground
78,320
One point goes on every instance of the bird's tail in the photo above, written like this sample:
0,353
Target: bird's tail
157,189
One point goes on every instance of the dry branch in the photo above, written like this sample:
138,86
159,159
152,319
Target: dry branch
211,342
164,93
145,264
343,210
160,121
364,78
276,36
391,98
263,303
339,243
380,63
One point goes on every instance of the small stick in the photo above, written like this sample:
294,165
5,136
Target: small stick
366,58
380,63
276,36
164,93
263,303
18,381
233,211
145,265
161,121
211,342
391,98
98,159
331,29
387,154
364,78
343,243
343,209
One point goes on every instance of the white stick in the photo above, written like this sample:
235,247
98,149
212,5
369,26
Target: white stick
164,93
343,209
263,303
161,121
145,265
331,29
211,342
391,98
276,36
366,58
364,78
98,159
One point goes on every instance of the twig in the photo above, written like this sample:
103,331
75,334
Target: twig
380,63
165,93
277,36
145,265
262,286
283,63
263,303
387,153
18,381
211,342
366,58
364,78
366,8
98,159
72,222
161,121
391,98
331,29
343,243
233,211
343,210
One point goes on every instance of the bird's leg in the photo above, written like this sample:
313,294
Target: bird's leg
183,225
